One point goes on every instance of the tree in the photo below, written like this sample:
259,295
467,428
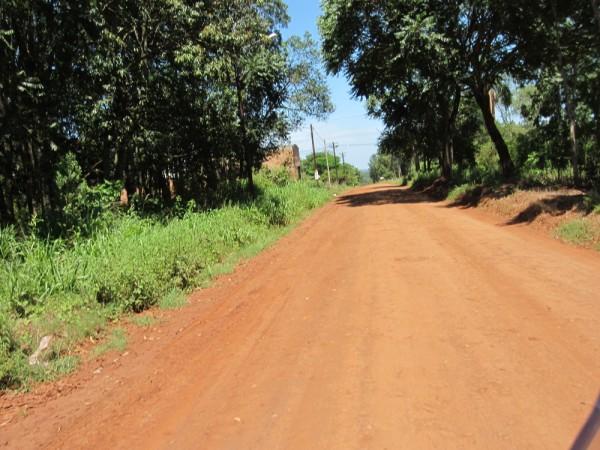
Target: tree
558,43
452,46
40,45
382,167
275,86
347,173
167,97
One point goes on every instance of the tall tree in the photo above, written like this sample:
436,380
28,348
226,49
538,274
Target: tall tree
164,96
558,44
461,49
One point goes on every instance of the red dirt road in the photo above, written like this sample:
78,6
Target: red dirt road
383,321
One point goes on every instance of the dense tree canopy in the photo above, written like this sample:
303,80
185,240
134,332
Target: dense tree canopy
426,66
161,97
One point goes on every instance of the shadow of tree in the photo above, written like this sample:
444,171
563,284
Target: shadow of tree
387,195
384,195
555,206
474,196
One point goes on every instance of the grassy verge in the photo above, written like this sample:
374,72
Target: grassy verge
71,290
584,231
543,196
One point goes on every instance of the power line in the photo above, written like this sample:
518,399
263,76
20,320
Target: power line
307,143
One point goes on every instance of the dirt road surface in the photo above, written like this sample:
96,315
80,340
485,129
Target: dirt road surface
384,321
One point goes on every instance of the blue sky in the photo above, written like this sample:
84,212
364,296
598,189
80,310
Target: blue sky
349,125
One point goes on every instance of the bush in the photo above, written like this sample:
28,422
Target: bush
53,285
425,179
457,192
12,360
280,177
83,210
592,202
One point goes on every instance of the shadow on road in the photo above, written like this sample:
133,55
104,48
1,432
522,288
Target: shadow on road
383,195
388,195
473,197
555,206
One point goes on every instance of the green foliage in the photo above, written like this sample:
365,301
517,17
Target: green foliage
82,209
12,360
410,61
339,172
424,178
71,288
145,321
577,231
117,341
280,177
382,167
427,69
163,98
592,202
457,192
174,299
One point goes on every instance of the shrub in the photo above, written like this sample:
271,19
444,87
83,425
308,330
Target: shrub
83,209
51,286
280,177
457,192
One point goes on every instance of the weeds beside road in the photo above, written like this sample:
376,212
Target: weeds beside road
70,289
569,214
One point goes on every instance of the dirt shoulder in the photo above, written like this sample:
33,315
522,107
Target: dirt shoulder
566,214
385,320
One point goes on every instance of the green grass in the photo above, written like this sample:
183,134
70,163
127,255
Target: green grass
174,299
457,192
117,341
423,179
72,290
144,321
578,232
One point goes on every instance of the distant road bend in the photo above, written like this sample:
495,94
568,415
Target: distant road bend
383,321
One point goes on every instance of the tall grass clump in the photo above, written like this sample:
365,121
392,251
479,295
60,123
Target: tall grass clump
70,288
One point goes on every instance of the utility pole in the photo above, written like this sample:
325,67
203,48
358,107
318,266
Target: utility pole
344,167
312,139
337,176
327,162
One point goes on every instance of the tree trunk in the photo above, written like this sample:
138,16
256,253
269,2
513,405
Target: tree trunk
449,129
249,170
246,160
417,162
445,159
123,169
28,165
452,124
574,146
4,215
596,9
483,101
569,102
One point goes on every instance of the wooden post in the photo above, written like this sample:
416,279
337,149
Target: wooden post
337,176
312,138
327,162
